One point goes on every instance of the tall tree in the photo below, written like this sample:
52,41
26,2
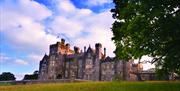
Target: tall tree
5,76
148,27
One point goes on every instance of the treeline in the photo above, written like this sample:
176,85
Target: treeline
8,76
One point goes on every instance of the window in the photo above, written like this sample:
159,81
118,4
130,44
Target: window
107,67
53,63
89,55
89,61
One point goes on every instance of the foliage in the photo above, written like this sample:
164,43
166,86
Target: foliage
97,86
36,72
33,76
6,76
161,75
148,27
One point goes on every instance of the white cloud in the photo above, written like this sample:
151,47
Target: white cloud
146,66
21,62
145,62
28,8
66,26
3,57
30,37
34,57
65,6
21,25
99,31
14,12
19,77
84,27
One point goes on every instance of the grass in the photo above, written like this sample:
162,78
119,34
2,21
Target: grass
97,86
4,84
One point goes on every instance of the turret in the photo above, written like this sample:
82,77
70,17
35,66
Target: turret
55,48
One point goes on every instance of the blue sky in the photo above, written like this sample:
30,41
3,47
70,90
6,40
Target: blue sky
28,27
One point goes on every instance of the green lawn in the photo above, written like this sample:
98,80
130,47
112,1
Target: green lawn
97,86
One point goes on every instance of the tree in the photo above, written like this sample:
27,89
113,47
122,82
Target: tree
148,27
33,76
36,72
6,76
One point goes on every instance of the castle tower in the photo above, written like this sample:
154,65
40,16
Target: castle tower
98,57
56,62
43,68
59,47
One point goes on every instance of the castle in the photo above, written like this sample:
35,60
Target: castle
90,64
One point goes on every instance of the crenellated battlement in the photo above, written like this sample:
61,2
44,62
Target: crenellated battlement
60,48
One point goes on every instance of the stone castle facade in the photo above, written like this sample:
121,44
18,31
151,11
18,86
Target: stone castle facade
90,64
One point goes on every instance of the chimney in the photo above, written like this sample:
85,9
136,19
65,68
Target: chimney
63,41
67,46
58,43
84,48
76,49
98,47
104,52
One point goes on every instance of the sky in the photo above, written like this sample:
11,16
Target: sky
28,27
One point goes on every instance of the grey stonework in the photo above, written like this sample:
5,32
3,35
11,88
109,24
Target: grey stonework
64,63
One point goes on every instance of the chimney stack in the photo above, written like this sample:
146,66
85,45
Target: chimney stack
63,41
104,52
84,48
67,46
76,49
